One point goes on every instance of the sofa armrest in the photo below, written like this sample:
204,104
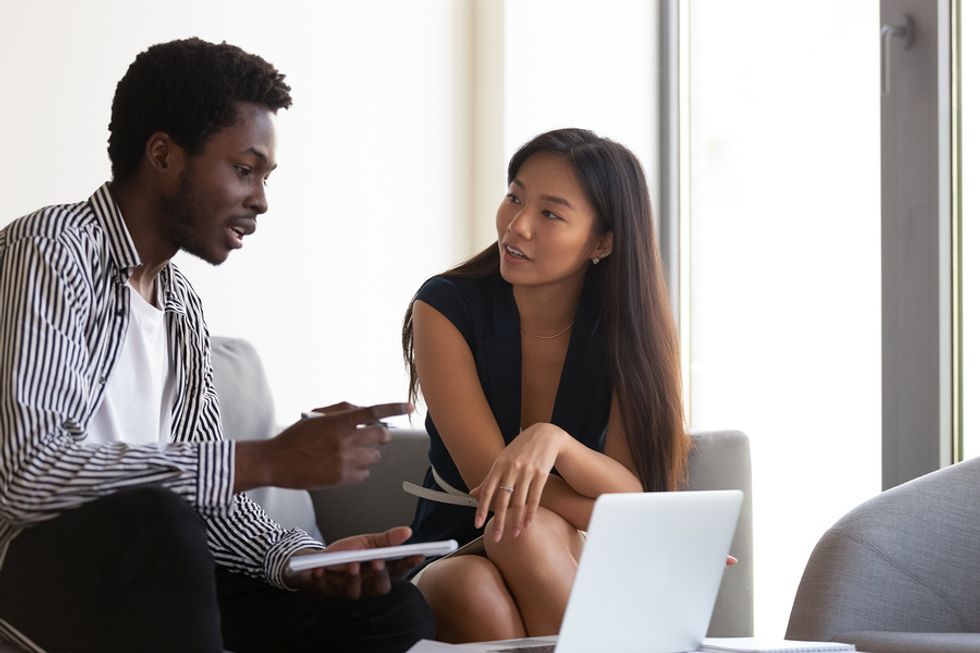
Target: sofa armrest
722,460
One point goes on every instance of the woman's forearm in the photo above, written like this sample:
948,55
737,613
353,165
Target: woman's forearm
568,504
591,473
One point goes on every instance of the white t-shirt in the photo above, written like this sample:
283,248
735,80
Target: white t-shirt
139,393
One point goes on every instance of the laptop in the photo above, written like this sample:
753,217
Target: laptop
648,576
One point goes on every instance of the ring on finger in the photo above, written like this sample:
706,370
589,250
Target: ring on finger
506,488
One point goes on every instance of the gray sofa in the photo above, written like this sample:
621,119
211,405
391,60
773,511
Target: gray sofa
901,572
719,460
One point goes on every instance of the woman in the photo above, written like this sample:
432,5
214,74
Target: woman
549,365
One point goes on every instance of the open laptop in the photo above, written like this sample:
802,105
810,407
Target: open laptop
648,577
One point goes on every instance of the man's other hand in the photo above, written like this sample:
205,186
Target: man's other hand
356,579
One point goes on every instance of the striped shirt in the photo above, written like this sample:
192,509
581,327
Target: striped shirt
63,318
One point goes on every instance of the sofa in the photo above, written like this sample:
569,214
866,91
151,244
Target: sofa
901,572
718,460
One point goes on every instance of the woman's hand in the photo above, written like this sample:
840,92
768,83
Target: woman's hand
517,478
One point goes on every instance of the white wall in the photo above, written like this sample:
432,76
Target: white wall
364,205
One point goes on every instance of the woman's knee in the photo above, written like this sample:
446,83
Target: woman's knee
547,536
460,581
470,600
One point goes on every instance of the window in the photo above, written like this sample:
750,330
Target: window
783,311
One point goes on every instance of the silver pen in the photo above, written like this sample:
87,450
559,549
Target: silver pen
314,415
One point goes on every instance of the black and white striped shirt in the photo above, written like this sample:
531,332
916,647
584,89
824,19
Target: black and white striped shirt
63,318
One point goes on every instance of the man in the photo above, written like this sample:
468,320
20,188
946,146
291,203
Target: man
118,493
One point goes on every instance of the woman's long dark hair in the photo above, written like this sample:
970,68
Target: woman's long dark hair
643,354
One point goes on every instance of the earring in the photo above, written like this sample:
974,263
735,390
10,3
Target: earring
595,260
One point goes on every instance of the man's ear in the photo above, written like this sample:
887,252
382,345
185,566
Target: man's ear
163,155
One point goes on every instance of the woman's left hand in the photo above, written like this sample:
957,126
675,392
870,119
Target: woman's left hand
517,478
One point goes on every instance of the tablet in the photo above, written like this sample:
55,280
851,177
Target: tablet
331,558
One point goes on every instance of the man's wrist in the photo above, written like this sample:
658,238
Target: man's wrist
252,465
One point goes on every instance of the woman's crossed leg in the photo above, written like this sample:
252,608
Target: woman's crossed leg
520,588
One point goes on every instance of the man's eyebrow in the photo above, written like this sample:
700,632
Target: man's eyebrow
261,155
548,198
256,152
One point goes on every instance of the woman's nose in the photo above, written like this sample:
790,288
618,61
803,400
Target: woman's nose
520,225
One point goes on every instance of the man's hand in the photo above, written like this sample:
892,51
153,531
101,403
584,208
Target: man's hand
356,579
335,449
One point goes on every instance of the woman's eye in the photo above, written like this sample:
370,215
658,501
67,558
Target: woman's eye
551,216
513,199
243,170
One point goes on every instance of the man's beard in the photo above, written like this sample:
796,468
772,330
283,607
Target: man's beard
184,222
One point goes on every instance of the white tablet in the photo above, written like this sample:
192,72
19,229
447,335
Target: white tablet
331,558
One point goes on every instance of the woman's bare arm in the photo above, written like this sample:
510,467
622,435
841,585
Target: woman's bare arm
453,394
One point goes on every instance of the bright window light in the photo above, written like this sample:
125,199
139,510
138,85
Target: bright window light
784,262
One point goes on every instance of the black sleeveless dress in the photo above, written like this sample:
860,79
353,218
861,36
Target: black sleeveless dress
486,315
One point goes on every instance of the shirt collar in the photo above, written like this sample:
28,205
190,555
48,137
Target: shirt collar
121,246
123,250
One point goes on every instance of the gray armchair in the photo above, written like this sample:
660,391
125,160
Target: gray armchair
901,572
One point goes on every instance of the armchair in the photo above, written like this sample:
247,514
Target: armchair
901,572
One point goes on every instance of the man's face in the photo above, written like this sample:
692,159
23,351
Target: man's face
222,189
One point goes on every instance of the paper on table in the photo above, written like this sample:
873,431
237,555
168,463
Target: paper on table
759,645
428,646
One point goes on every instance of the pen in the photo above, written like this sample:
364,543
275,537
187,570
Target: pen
313,415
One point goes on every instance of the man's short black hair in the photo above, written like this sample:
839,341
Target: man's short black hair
188,89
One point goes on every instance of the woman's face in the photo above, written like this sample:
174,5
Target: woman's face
546,227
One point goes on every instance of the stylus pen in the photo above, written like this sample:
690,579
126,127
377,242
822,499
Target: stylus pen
314,415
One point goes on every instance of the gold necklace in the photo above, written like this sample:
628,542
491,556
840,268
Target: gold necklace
534,335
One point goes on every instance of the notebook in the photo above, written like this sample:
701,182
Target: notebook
759,645
648,576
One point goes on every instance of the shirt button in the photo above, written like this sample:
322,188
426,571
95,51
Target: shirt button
102,380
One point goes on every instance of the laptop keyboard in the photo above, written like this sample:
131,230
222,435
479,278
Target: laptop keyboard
546,648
